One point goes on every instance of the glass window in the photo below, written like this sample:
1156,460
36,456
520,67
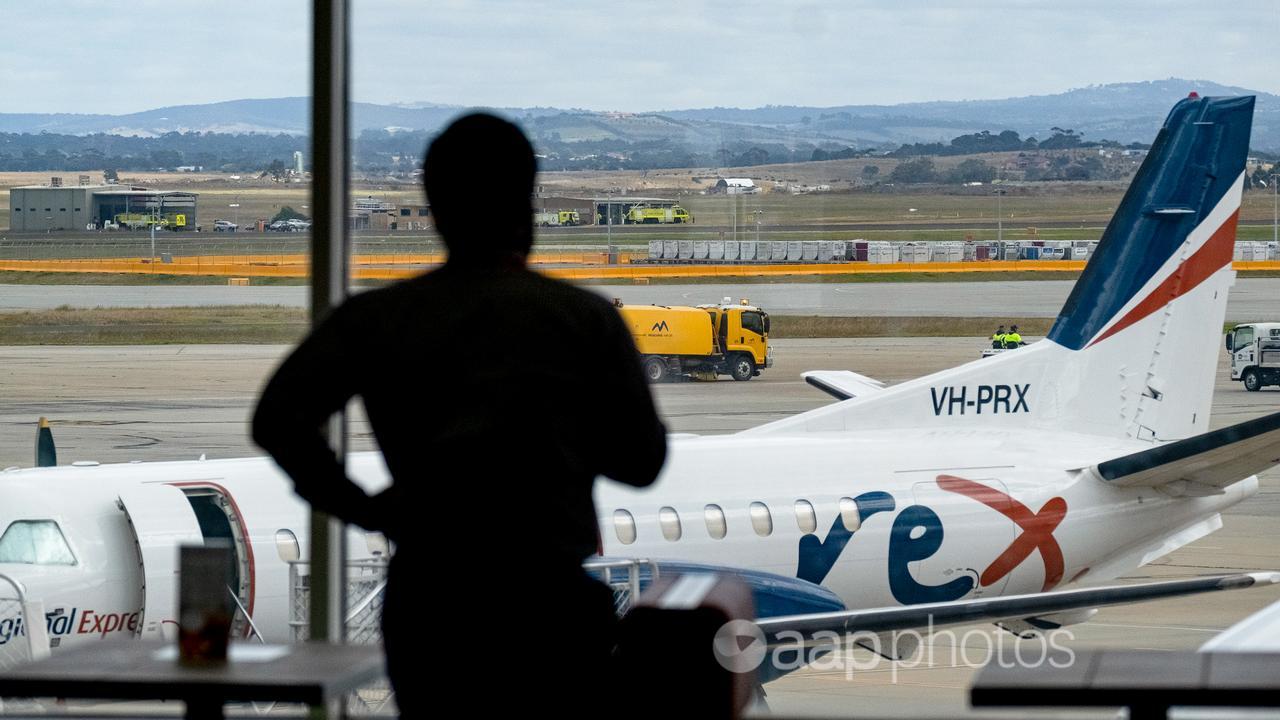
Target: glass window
1244,336
849,514
287,545
669,520
806,518
753,322
35,542
624,525
717,527
761,519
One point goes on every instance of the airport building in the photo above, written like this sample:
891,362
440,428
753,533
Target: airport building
46,208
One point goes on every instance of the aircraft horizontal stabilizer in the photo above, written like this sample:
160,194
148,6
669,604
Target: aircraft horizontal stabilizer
1206,462
842,384
784,631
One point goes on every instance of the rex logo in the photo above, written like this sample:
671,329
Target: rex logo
917,534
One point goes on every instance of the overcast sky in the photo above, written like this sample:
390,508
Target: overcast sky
90,56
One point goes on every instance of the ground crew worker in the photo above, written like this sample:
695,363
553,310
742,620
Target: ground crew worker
1012,339
997,338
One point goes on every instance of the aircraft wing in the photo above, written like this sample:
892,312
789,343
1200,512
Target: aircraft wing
796,629
1260,632
842,384
1208,462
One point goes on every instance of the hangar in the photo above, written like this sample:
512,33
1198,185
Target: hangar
46,208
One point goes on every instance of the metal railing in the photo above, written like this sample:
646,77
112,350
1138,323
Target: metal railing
624,577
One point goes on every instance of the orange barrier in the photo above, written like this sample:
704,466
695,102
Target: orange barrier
588,267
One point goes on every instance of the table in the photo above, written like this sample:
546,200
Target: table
1146,682
310,673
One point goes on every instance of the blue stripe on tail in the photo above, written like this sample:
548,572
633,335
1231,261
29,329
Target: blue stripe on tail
1195,159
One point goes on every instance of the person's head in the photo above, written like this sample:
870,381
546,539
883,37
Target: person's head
1000,329
479,176
1013,328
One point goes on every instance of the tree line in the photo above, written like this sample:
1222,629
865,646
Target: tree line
399,152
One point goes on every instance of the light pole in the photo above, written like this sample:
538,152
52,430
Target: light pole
155,219
1275,210
999,214
608,219
757,213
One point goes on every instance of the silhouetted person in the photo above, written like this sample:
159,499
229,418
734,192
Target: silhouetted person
497,395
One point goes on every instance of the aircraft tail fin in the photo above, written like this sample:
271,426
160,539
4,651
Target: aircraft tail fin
1134,351
46,452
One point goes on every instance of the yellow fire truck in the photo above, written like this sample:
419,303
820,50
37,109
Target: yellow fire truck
650,215
143,221
551,218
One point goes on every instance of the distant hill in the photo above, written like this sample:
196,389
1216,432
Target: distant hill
1125,112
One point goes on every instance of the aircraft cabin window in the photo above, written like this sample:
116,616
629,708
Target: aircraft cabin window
849,514
717,527
35,542
806,518
761,519
287,545
625,526
669,520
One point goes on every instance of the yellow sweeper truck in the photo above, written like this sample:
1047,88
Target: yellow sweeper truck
701,342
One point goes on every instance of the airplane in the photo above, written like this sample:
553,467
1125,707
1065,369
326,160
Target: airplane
1005,490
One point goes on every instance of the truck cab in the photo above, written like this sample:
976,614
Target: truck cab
1255,354
742,337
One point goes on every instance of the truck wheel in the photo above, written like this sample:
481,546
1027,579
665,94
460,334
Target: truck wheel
655,369
1252,381
743,367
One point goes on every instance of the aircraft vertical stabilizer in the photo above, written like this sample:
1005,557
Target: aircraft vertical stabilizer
1134,350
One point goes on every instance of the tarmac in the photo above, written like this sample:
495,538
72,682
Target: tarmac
118,404
1252,299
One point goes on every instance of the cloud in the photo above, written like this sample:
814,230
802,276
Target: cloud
82,56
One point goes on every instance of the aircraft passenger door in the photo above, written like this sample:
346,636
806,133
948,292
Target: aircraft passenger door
161,519
973,532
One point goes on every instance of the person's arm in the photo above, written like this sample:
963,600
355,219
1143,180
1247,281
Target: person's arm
313,384
633,412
